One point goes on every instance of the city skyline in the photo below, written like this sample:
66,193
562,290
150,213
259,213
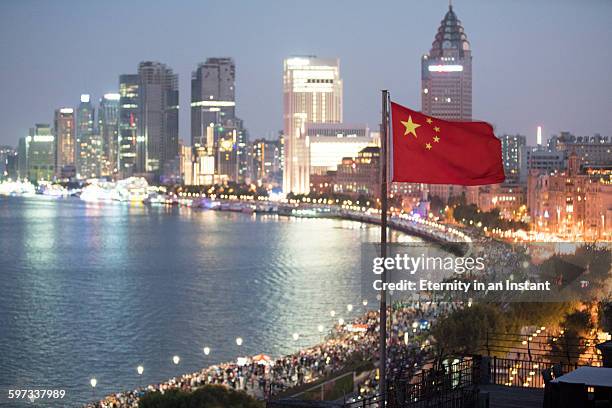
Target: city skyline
503,104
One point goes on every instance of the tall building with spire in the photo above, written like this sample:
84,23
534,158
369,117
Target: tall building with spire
312,93
446,81
446,72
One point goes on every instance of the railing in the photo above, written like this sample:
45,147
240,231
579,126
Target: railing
446,385
524,373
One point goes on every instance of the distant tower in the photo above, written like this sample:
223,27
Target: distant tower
108,127
129,117
446,82
312,93
88,145
539,136
159,112
64,127
446,76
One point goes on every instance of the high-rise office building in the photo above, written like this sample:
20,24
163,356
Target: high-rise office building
446,72
212,96
312,93
446,82
88,143
108,128
128,124
512,146
40,150
65,142
157,140
266,161
213,108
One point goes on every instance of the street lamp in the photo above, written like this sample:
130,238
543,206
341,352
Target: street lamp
320,328
176,359
332,313
365,302
349,308
140,370
206,350
239,341
296,336
93,382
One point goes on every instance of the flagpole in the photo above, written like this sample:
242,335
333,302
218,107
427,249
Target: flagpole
384,147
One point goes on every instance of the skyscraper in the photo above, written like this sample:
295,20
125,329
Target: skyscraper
446,72
212,96
65,142
40,150
213,109
512,145
88,143
446,82
128,124
157,140
312,93
108,128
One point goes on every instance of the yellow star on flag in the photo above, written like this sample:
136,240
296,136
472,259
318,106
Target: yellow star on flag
436,139
437,129
428,146
410,126
429,121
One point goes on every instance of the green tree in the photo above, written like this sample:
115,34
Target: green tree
571,344
465,330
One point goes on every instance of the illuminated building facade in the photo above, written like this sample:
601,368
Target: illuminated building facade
88,143
360,175
40,150
213,106
571,203
511,156
312,93
540,160
157,140
446,73
593,150
213,96
266,161
128,124
65,141
446,82
329,143
108,128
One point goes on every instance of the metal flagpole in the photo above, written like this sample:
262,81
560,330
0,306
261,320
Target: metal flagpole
384,146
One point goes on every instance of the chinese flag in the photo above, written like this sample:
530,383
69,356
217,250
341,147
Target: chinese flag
430,150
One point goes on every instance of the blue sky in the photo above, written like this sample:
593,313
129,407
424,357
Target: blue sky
535,62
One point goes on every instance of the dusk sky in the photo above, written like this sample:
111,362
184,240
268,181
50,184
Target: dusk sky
545,62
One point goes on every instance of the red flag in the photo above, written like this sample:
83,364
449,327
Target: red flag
435,151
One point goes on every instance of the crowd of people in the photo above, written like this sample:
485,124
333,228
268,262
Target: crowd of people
347,345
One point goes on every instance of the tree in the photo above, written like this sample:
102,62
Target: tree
208,396
571,344
465,330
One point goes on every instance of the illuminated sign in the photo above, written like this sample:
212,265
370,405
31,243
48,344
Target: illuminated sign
112,96
66,110
42,138
213,103
85,98
445,68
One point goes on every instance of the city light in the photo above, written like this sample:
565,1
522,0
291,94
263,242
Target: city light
445,68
